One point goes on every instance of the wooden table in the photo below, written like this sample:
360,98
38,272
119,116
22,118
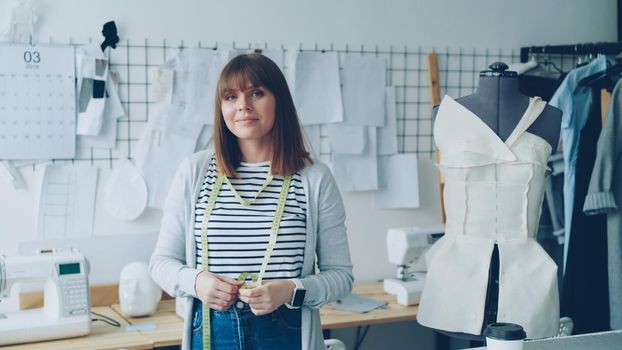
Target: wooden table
102,336
394,312
170,326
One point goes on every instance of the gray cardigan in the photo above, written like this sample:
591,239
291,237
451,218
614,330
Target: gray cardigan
605,195
173,263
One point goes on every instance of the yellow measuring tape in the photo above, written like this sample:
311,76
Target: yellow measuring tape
211,203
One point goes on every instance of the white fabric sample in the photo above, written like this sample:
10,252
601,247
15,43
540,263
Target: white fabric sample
317,88
125,192
387,135
363,80
493,195
358,172
398,179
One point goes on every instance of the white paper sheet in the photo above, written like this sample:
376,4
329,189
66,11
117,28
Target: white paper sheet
363,79
276,55
354,172
317,88
113,110
346,139
67,202
37,102
387,135
313,139
22,25
289,63
90,120
165,142
161,88
205,66
179,64
399,181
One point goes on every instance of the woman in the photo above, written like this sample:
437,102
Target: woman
270,211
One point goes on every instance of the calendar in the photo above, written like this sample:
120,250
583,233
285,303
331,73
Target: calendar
37,102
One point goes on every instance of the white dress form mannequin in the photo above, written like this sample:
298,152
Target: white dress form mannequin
499,103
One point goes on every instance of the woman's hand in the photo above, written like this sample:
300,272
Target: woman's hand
215,291
265,299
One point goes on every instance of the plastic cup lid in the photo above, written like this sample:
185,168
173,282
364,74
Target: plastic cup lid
505,331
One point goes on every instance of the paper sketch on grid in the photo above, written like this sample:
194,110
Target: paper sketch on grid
204,66
161,88
67,202
168,137
92,68
113,110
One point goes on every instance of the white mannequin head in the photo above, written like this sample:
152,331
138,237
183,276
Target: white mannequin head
138,294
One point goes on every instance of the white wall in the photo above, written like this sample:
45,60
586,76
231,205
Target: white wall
441,24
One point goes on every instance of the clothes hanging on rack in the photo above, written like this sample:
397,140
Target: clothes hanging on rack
604,196
551,227
575,108
540,82
585,295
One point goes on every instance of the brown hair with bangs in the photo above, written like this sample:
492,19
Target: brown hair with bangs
289,153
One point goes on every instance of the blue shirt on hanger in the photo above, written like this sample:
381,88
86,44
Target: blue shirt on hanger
575,109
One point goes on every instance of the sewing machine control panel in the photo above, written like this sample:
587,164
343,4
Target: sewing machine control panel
74,289
75,296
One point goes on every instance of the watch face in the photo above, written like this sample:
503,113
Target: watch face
299,297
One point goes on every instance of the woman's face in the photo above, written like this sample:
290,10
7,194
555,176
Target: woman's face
249,113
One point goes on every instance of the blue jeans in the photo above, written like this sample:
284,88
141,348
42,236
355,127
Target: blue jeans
239,329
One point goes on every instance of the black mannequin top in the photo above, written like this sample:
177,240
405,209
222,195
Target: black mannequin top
498,102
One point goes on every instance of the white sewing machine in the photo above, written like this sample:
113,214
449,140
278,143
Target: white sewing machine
66,310
406,247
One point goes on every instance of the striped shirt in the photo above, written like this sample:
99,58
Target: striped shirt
238,236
